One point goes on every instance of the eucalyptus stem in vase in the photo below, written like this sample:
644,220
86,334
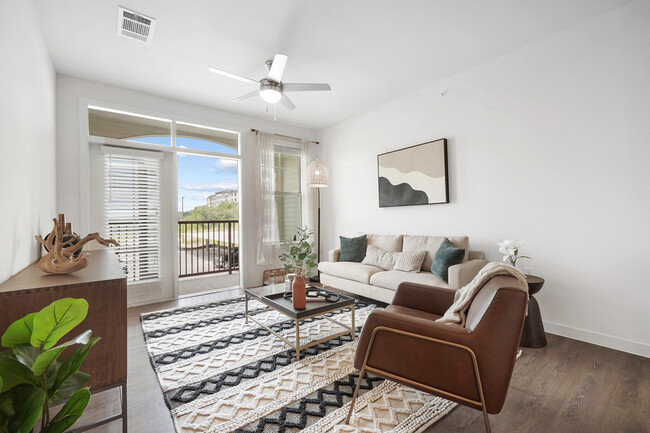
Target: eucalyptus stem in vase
299,257
298,254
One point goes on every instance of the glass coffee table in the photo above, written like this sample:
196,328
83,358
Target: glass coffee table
273,297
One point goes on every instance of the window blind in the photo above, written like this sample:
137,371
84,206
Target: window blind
132,206
287,189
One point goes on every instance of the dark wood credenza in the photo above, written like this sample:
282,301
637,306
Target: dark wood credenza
103,284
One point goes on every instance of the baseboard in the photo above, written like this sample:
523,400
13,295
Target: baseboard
604,340
144,301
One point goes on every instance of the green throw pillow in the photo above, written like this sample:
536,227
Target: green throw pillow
448,255
353,249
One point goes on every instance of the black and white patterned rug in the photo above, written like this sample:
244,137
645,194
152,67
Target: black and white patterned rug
219,374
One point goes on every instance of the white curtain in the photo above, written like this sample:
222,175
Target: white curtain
268,235
308,194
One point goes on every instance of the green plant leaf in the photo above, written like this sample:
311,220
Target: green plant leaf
19,332
69,413
28,402
47,357
51,374
0,383
7,407
56,320
72,364
26,354
74,383
14,373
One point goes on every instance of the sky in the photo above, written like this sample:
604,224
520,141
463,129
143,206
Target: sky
200,176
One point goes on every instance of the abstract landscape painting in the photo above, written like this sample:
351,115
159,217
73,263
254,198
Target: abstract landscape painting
414,175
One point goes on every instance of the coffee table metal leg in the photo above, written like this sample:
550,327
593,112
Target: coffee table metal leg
246,308
297,340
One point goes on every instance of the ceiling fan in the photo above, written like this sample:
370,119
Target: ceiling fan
271,89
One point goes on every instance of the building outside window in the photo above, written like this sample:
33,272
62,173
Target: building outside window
227,196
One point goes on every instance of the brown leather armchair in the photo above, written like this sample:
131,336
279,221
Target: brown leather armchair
471,365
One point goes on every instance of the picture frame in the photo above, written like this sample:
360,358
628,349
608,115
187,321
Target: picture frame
414,175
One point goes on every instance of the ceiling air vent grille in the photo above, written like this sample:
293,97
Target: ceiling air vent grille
134,25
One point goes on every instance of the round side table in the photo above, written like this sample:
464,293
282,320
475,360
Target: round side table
533,334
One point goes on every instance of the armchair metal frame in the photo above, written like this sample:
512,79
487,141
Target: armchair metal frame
431,389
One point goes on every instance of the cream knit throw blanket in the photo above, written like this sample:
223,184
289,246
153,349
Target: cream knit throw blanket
457,313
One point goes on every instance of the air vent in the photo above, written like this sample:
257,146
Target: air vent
134,25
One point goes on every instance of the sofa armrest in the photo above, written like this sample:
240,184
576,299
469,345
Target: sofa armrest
334,255
421,297
462,274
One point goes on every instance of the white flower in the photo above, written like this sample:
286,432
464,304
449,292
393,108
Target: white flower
509,249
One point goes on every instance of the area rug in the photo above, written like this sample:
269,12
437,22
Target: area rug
219,374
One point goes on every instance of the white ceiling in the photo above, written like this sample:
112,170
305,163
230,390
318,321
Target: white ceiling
369,51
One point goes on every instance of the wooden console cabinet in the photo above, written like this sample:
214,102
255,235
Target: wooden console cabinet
103,284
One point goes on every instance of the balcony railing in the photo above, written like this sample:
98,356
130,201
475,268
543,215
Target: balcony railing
207,247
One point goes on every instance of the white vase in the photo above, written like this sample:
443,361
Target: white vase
288,282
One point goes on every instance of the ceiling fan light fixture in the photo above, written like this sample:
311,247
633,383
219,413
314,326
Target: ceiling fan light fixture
270,92
271,89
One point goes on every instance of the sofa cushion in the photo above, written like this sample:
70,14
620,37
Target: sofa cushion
353,249
409,261
380,258
448,255
392,279
431,244
386,242
349,270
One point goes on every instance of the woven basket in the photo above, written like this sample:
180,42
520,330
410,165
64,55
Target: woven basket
274,276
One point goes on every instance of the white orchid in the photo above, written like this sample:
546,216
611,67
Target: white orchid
510,251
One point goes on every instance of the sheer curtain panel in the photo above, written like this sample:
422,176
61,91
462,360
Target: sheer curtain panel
268,236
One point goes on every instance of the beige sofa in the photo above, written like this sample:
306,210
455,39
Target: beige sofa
376,283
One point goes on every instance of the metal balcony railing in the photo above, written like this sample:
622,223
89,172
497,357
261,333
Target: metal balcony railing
208,247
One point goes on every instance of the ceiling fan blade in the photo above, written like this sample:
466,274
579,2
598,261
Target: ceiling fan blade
305,87
287,102
277,68
231,75
246,96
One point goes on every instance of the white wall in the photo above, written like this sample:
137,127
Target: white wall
71,157
27,137
549,144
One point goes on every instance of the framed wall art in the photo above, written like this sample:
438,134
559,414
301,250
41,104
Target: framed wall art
414,175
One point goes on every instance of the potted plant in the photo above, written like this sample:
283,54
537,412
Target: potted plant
33,378
510,251
299,257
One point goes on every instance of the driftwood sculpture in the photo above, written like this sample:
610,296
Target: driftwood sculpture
64,248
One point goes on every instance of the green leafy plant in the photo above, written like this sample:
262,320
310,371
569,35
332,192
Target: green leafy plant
298,254
32,376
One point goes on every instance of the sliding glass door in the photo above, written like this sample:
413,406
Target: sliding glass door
168,192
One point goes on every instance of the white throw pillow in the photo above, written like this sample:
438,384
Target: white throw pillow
409,261
380,258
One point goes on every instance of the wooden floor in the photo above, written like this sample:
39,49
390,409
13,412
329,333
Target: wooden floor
568,386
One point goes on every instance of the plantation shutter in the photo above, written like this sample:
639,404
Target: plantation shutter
132,206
